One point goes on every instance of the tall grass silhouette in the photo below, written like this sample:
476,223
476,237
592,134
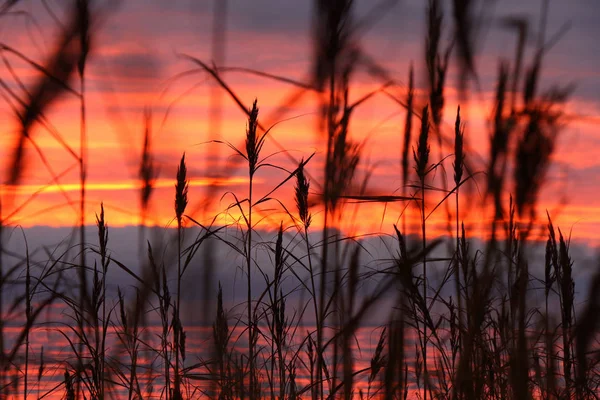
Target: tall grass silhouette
461,322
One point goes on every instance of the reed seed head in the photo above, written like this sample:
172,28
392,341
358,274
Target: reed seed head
408,125
342,163
378,361
279,254
458,149
334,30
402,252
147,172
532,160
253,142
84,21
181,190
220,326
102,237
421,156
302,186
182,338
548,275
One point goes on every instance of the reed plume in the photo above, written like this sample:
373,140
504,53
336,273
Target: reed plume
437,63
421,155
459,159
254,145
181,201
407,126
181,190
301,190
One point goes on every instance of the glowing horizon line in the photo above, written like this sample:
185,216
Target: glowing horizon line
133,184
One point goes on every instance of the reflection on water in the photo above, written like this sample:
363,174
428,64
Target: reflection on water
53,347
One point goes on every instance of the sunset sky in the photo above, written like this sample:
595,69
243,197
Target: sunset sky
137,63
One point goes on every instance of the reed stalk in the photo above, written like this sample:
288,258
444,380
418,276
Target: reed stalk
421,156
181,201
253,147
458,172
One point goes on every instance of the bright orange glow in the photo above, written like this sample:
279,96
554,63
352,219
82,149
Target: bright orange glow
118,186
143,71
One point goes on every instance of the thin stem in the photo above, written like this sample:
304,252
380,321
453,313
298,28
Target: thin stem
82,177
457,271
104,327
321,317
28,317
165,349
312,287
328,166
249,290
425,310
177,310
548,349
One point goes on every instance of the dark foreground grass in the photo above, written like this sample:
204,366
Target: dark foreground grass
473,330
